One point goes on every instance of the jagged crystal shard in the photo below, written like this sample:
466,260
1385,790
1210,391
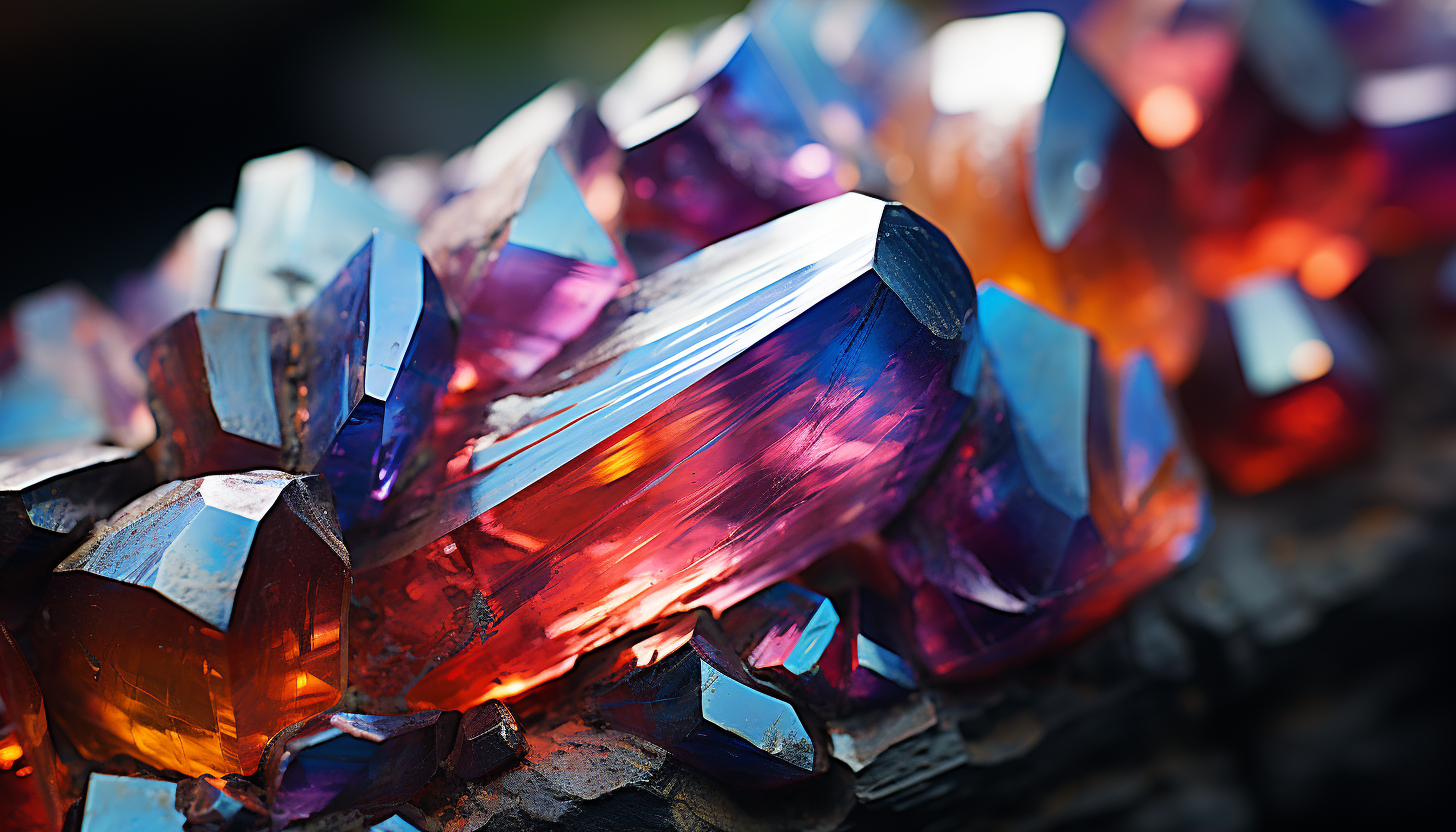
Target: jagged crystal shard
49,500
727,420
1067,492
488,740
342,761
683,689
130,804
374,353
198,622
66,374
30,781
300,217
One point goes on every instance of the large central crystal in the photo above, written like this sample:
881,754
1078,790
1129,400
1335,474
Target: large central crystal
733,416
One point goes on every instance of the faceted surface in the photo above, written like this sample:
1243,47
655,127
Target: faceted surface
301,216
1031,168
212,804
66,374
373,355
394,823
683,689
30,784
488,740
335,762
183,279
198,622
211,387
797,640
1285,387
732,417
48,501
714,143
130,804
1067,492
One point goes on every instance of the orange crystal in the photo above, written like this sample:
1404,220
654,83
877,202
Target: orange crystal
29,782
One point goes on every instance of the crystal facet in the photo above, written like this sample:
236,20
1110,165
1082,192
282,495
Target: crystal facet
30,782
488,740
1066,493
682,688
213,804
130,804
198,622
732,417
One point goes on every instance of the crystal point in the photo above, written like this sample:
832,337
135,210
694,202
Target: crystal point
488,741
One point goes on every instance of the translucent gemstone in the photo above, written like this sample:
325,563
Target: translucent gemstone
129,804
683,689
183,279
714,143
213,804
30,783
394,823
49,500
67,375
301,217
199,621
796,639
338,762
1067,492
521,256
212,392
727,420
373,356
488,740
1285,387
1035,173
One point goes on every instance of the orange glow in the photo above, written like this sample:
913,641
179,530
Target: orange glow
10,751
465,377
1331,266
1168,116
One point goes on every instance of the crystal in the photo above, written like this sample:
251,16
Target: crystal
1032,169
213,658
1293,51
66,374
728,419
525,263
488,741
1067,492
394,823
1285,386
130,804
183,279
372,353
797,640
214,804
49,500
30,781
341,761
211,388
714,143
683,689
301,217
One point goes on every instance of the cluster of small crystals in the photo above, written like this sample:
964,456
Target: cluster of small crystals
639,385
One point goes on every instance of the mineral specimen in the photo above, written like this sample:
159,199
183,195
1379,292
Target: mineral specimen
66,374
730,418
1285,387
30,782
352,761
683,689
49,500
130,804
488,740
301,217
1067,492
199,621
213,804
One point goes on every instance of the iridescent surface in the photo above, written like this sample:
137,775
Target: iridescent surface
734,416
66,374
1066,494
301,216
352,761
130,804
49,499
683,689
161,645
30,784
1285,387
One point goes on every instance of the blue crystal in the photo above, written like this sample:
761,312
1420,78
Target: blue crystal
1271,318
554,219
1078,121
130,804
394,823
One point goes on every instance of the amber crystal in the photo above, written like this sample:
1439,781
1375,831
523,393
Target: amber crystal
30,783
199,621
732,417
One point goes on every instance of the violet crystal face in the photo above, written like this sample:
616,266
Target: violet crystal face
726,421
199,621
1067,492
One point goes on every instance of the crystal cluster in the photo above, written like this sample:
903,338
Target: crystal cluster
633,415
